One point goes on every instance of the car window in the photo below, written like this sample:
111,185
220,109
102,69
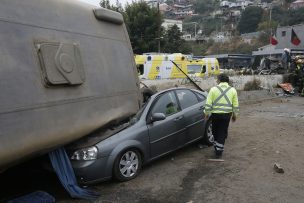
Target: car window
186,98
201,97
166,104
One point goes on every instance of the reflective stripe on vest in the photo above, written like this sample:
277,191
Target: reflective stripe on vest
221,102
217,106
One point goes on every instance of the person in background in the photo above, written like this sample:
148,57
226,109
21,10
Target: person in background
222,105
286,59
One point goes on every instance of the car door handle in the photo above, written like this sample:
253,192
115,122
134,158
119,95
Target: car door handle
178,118
202,108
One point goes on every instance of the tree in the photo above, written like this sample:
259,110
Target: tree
238,46
267,27
288,17
106,4
295,16
203,6
173,41
144,27
250,19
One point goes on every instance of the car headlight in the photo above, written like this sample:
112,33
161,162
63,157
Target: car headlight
85,154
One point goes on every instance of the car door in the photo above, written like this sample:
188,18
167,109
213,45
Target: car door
168,134
192,106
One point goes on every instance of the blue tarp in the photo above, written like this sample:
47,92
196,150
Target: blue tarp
63,168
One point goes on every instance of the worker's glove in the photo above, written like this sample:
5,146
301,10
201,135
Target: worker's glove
206,116
233,118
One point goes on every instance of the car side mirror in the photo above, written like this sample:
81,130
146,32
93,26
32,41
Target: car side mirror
157,117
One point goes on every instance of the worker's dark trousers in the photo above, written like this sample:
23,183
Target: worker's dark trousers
220,124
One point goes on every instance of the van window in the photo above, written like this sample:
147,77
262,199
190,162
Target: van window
204,69
140,69
194,68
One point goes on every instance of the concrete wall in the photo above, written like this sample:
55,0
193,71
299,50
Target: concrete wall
267,81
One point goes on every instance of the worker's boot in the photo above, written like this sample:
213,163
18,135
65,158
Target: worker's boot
218,154
302,93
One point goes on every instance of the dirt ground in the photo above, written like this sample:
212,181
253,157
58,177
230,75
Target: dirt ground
266,133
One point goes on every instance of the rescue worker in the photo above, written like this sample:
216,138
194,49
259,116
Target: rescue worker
286,59
299,74
222,105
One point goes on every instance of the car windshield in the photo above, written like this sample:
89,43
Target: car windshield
137,116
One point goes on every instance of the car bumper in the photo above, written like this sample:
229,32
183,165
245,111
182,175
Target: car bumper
93,171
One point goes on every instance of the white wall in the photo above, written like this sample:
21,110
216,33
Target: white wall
206,83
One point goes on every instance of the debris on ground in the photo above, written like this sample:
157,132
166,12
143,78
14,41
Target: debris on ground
277,167
216,160
255,84
287,87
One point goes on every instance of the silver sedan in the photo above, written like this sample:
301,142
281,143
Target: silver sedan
170,120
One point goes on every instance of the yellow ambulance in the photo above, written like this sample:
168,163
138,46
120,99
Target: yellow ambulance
210,67
159,66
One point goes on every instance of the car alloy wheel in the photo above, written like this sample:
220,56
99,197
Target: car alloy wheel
127,165
209,133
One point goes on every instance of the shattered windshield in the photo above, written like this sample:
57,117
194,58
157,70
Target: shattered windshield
137,116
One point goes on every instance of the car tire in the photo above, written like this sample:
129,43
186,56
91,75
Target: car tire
127,165
208,136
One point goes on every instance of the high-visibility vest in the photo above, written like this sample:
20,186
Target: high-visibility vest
222,99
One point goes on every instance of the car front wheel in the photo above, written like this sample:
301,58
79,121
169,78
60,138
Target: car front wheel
127,165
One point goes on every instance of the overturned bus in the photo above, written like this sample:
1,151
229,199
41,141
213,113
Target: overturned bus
67,69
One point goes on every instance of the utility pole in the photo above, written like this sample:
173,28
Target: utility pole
158,45
195,23
158,12
269,26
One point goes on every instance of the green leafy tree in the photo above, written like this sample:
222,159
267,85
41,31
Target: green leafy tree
204,6
144,27
288,17
295,16
237,45
267,26
173,41
279,15
250,19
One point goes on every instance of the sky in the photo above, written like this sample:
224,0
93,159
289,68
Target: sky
96,2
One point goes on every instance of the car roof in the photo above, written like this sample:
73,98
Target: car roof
175,88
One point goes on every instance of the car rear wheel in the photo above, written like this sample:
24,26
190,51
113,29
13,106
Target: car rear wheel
127,165
208,136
